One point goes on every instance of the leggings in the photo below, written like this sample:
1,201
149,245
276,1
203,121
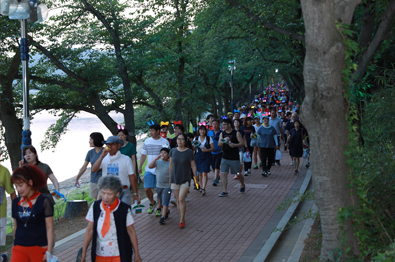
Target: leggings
247,165
28,254
267,158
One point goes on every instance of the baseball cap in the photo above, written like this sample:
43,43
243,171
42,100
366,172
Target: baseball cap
113,139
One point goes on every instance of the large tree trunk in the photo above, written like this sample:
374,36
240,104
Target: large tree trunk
12,125
323,113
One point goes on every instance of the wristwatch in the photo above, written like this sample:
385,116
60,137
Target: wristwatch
136,194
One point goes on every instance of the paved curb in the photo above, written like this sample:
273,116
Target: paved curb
299,245
266,250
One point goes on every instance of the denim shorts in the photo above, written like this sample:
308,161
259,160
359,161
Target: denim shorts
149,180
234,166
164,195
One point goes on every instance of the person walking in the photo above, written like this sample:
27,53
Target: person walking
5,187
30,157
216,154
257,152
110,226
240,128
113,163
151,150
33,216
249,130
128,149
230,140
267,144
181,162
95,140
203,157
295,143
276,122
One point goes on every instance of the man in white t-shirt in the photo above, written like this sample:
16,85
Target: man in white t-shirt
113,163
151,148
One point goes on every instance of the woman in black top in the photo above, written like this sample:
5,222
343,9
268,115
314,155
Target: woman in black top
33,216
295,142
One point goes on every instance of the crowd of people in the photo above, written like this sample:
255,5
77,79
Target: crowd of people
247,138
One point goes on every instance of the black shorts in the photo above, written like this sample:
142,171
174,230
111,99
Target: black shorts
216,160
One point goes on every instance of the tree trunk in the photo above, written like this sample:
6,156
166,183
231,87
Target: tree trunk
323,113
9,119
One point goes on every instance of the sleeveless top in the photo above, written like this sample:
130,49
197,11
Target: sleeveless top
229,152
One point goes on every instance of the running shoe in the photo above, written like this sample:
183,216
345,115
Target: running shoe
4,257
246,173
256,167
243,189
215,182
235,177
167,215
308,164
264,173
260,164
292,163
158,212
268,172
151,208
173,202
162,221
249,171
223,194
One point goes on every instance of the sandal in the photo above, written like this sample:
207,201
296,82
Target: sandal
203,192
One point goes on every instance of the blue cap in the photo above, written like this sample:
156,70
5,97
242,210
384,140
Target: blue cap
113,139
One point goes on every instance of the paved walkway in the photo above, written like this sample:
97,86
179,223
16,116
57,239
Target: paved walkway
233,228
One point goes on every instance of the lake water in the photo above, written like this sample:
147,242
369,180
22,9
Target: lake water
69,155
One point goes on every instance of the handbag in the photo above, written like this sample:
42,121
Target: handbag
279,156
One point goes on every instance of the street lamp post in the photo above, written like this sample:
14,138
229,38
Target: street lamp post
32,11
250,94
232,68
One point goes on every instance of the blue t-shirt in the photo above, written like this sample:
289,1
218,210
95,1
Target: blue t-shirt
215,137
91,157
162,173
268,137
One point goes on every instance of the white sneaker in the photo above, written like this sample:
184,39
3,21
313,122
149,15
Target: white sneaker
292,163
249,171
246,173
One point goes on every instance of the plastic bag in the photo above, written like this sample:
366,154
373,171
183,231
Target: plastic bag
254,142
306,153
279,156
247,156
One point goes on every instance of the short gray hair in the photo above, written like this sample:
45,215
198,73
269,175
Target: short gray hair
110,182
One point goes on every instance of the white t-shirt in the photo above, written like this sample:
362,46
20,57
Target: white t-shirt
107,246
151,149
256,128
118,165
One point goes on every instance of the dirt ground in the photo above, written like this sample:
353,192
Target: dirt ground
312,248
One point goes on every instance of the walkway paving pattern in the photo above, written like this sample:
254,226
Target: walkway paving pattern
217,228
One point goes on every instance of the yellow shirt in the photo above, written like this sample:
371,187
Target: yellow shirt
5,186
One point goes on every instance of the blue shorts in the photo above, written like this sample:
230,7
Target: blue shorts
149,180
